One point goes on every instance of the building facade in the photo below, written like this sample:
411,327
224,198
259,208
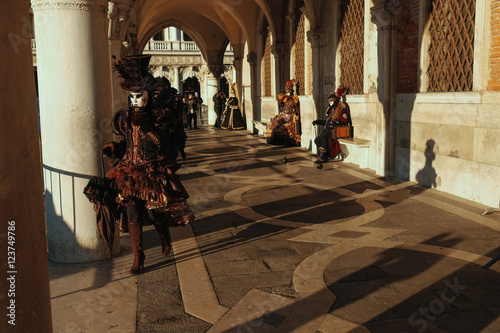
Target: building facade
177,59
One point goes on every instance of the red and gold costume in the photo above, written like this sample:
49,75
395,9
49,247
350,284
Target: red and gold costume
142,187
337,115
142,171
285,128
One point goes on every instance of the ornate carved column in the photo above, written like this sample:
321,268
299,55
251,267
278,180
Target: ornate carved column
385,14
25,300
120,15
317,38
75,107
216,70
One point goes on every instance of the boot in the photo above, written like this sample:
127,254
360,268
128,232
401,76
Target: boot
322,156
164,232
135,231
160,221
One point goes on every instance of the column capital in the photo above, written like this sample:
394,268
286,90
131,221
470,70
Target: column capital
80,5
385,14
277,48
120,13
216,70
130,41
262,33
252,58
317,38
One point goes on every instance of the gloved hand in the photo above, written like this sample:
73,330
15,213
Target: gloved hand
108,149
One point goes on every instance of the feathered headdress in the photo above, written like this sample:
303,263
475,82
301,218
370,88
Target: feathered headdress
341,91
134,73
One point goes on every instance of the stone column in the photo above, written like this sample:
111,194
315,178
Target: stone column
75,104
119,17
176,84
212,87
385,14
318,43
277,51
24,279
252,60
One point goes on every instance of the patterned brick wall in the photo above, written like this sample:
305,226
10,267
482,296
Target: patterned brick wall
408,48
494,82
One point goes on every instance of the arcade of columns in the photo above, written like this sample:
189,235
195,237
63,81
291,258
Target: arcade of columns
78,96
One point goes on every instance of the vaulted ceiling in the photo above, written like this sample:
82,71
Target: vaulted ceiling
212,24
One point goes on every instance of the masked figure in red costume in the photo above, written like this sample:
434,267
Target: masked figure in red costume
285,128
337,115
143,172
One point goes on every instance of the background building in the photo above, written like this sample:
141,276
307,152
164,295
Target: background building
177,59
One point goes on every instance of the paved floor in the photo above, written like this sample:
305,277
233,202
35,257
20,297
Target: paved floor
291,248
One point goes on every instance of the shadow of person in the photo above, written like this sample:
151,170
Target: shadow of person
427,176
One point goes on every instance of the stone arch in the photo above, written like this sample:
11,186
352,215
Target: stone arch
195,36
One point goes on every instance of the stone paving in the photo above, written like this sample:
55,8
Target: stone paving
287,247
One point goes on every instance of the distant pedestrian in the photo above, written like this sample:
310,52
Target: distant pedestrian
219,104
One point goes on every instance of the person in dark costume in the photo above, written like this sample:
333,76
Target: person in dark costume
170,122
180,108
285,128
219,103
192,113
143,161
337,114
232,118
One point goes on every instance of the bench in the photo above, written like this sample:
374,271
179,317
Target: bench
260,126
356,151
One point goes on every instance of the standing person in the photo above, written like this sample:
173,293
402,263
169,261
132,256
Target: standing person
142,174
285,128
180,107
219,103
337,114
191,110
232,118
199,102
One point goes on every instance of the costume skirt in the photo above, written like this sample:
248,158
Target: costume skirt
155,183
283,131
232,119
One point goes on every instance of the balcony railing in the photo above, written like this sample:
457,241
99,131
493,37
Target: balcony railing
157,45
177,45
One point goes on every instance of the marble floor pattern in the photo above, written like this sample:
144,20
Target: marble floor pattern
287,247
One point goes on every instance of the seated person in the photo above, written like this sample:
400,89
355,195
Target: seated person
337,115
285,127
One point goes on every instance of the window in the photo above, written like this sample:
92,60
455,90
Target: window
352,45
451,45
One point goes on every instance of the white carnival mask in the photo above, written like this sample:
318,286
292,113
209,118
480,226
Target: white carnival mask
139,99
